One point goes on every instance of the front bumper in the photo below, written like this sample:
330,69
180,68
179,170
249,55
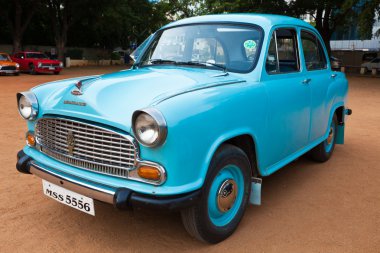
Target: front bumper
121,198
3,71
48,69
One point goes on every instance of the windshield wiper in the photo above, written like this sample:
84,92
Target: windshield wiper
198,63
161,61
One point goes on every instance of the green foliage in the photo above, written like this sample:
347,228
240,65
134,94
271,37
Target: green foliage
366,18
243,6
113,23
115,56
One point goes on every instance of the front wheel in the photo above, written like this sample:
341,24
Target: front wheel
324,150
224,197
56,72
32,69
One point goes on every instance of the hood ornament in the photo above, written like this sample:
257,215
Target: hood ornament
77,92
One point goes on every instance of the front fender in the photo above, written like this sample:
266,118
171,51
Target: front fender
199,122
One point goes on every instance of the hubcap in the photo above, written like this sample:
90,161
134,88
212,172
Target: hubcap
226,195
331,135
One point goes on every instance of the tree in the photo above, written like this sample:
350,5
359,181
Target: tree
132,21
179,9
328,15
19,13
61,19
244,6
66,13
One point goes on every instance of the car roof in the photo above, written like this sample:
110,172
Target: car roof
34,52
266,21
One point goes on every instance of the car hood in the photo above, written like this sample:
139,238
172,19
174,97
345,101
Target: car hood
7,63
112,98
48,61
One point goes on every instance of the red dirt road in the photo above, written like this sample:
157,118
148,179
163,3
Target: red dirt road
307,207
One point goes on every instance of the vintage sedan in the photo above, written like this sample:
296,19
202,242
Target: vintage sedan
37,62
211,106
7,66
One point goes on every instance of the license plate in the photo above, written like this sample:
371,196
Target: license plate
70,198
51,68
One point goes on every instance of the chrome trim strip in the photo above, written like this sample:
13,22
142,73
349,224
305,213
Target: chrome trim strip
158,101
95,192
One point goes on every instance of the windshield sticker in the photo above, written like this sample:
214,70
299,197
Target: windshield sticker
249,44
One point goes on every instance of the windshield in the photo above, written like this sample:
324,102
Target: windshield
36,56
4,57
233,48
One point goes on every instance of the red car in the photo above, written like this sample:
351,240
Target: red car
37,62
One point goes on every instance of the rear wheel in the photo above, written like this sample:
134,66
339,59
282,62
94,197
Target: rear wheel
224,198
324,150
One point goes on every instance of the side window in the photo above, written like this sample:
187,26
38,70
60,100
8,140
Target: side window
313,51
207,49
283,52
271,63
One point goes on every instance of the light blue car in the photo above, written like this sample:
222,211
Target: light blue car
211,105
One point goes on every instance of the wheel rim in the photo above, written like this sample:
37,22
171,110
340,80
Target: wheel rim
226,195
329,142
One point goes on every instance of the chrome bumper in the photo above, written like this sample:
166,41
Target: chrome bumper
121,198
9,71
87,189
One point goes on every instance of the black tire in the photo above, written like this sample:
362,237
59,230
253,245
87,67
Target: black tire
56,72
324,150
17,74
32,69
198,219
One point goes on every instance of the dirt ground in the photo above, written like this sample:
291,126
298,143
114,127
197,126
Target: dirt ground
306,207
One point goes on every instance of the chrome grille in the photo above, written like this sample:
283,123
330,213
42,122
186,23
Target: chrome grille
86,146
8,68
50,65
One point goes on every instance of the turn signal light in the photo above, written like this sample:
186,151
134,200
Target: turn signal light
30,140
148,172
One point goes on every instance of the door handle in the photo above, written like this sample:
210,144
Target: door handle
306,81
333,75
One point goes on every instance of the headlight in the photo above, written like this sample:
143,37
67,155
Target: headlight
149,127
27,105
39,64
17,65
61,64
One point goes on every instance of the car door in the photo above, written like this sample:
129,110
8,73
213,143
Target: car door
320,77
288,99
